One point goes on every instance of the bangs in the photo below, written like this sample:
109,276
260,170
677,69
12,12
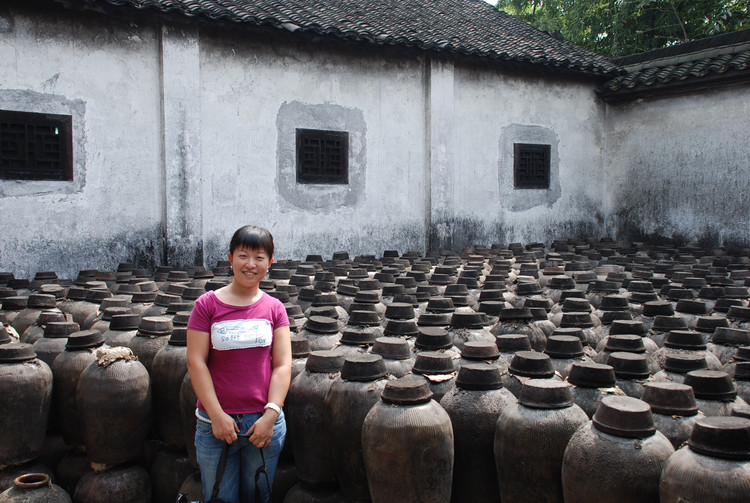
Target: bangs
253,238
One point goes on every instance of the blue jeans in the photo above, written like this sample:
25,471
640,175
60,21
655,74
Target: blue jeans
243,460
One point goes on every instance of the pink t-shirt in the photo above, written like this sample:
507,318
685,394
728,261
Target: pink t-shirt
239,357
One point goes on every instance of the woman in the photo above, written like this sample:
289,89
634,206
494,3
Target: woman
240,359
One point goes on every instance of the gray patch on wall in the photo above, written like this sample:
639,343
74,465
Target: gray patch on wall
523,199
20,100
321,198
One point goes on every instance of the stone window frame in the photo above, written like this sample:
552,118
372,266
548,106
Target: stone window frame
43,161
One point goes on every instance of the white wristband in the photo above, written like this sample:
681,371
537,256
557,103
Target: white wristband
273,406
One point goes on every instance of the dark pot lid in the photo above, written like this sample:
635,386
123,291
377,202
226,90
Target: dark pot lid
691,306
625,342
739,313
561,283
643,297
742,354
124,322
624,416
84,339
399,311
392,348
468,320
325,311
300,280
434,320
178,337
670,398
322,325
41,301
573,331
407,390
608,317
685,339
20,352
538,301
527,288
742,371
576,319
604,286
564,346
480,350
723,437
367,297
640,286
50,315
163,299
682,363
358,337
658,307
592,375
324,362
510,314
325,299
401,328
627,327
663,323
724,304
433,363
711,385
676,294
736,292
180,318
711,292
301,347
367,318
510,343
144,297
440,305
614,303
731,336
492,307
456,289
348,290
546,394
479,376
433,338
363,367
492,294
391,290
308,294
155,325
531,364
440,279
176,307
629,365
59,329
15,303
709,324
575,305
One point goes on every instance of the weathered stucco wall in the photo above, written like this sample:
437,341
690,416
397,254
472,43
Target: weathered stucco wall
107,77
679,167
494,110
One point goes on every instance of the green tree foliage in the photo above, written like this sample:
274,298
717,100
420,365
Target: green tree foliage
621,27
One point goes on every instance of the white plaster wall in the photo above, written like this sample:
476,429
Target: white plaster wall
108,77
256,92
679,167
493,110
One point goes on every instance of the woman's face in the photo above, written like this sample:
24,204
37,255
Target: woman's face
249,266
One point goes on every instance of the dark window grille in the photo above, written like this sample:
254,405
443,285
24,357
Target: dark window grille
531,166
322,156
35,146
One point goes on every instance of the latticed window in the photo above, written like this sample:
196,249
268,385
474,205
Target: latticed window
35,146
322,156
531,166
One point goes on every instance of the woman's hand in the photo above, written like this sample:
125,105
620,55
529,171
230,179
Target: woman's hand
261,432
224,427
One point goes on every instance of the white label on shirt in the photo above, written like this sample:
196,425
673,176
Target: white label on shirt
241,334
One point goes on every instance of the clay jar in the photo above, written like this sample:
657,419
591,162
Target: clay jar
307,420
408,445
564,351
396,354
527,365
439,371
347,402
168,369
466,327
123,484
713,466
113,397
520,321
53,342
590,383
26,390
473,406
617,457
153,334
714,391
67,369
323,332
122,328
674,409
530,440
34,488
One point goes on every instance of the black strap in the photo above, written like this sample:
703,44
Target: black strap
258,472
219,473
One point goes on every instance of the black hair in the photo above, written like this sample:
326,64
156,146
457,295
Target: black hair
253,238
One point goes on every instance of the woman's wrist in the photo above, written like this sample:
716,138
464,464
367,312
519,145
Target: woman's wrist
273,407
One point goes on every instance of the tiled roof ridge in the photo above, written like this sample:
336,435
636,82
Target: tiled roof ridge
460,27
694,49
